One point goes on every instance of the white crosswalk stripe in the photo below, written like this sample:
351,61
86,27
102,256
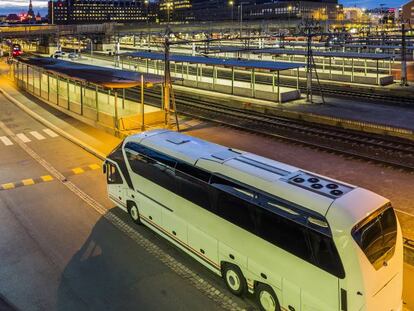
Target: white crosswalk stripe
50,133
5,140
23,138
37,135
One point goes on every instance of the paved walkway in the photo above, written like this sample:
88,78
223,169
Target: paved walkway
358,110
97,139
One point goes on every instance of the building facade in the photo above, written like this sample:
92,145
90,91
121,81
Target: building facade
408,12
186,11
222,10
100,11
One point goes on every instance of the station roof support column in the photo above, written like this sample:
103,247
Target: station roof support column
232,80
378,80
142,105
297,78
352,70
279,96
253,83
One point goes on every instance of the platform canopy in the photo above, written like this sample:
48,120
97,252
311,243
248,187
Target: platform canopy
215,61
356,55
102,76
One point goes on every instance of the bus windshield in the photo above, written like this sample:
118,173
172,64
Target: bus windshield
377,236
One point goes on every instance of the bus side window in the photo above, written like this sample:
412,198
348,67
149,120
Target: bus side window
326,254
112,174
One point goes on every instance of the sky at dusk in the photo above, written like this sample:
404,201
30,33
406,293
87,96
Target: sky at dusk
14,6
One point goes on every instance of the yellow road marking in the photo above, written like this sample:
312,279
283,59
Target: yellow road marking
8,186
46,178
94,166
28,182
78,170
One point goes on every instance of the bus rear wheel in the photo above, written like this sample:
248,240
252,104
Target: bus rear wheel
234,279
134,212
266,298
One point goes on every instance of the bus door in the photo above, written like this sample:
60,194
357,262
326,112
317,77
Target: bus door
115,184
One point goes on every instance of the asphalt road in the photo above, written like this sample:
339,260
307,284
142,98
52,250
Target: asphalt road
64,246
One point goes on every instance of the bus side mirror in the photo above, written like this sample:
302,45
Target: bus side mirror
104,168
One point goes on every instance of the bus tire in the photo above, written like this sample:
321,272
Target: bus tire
266,298
134,212
234,279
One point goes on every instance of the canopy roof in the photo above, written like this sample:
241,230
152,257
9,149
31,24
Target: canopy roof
373,56
102,76
215,61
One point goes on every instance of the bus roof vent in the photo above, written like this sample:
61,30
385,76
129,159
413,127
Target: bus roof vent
319,185
263,166
177,140
225,155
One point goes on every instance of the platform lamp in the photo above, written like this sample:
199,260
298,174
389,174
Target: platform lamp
146,3
169,6
289,8
231,4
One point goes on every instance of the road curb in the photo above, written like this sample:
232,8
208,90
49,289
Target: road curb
50,125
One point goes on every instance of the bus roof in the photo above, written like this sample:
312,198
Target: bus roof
314,192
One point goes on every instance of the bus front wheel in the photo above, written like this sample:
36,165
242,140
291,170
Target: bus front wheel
234,279
134,212
266,298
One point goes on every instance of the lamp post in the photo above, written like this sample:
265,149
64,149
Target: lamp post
289,8
169,6
241,18
231,4
146,2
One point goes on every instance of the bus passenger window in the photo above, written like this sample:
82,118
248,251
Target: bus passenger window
326,254
113,176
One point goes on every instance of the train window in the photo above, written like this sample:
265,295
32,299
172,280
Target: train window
325,254
112,175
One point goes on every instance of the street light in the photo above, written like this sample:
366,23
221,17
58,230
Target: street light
169,6
289,11
231,4
146,2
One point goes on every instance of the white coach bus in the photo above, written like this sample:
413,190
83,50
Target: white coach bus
297,240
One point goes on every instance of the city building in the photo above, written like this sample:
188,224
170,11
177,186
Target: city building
175,11
30,16
408,12
100,11
13,18
220,10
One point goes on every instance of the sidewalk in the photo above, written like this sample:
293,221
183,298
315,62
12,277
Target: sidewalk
93,137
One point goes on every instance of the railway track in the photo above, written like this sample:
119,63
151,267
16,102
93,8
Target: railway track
381,149
328,90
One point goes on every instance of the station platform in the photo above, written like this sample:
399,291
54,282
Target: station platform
226,86
335,69
358,115
92,94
